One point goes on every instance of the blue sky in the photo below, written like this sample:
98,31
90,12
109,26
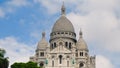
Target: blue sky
23,21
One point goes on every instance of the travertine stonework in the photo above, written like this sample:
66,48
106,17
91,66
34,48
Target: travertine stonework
63,50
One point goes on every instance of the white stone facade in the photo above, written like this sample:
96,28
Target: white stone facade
63,50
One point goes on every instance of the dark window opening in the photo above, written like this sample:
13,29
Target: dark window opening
62,32
81,65
70,45
66,33
54,44
66,44
42,54
52,63
41,64
60,59
81,53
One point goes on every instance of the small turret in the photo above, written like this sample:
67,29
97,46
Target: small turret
81,44
43,43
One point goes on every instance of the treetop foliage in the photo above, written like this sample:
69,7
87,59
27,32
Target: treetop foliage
24,65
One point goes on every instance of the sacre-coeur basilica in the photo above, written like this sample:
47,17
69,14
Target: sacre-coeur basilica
63,49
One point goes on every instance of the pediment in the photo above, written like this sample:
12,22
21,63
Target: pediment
60,49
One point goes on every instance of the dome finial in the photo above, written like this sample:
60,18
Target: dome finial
80,33
43,34
63,9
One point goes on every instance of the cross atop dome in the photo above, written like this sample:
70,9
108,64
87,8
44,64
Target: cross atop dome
43,34
63,9
80,33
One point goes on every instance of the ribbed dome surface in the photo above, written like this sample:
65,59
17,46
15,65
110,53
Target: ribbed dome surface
63,24
42,43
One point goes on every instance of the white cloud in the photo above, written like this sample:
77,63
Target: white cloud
99,26
16,51
54,7
103,62
11,5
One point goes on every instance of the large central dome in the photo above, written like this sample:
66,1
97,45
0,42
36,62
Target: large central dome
63,28
63,25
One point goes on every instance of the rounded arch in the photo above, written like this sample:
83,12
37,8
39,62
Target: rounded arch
41,64
81,64
60,59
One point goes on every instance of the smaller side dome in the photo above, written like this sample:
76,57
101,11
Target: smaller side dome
81,44
42,44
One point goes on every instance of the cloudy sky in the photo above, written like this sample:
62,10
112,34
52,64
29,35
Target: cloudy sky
22,22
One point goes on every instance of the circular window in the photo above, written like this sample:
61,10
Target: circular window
61,43
81,65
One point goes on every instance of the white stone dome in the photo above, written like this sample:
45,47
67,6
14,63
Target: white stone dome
42,43
63,28
63,25
81,44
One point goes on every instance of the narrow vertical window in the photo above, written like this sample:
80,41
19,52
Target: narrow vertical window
66,44
67,63
60,59
52,63
54,44
81,53
69,45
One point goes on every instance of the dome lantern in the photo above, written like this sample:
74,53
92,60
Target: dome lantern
63,9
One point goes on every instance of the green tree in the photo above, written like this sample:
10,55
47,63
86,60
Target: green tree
4,63
18,65
24,65
31,65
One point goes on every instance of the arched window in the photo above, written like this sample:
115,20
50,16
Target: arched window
52,63
41,64
60,59
81,65
66,44
54,45
81,53
70,45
